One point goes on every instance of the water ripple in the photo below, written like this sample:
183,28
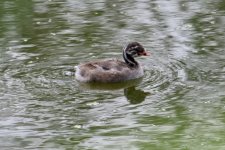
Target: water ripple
162,75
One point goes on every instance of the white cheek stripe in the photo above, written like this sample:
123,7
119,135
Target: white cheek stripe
125,57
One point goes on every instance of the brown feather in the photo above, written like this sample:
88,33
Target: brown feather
110,70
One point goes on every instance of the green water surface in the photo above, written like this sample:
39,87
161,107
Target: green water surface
178,105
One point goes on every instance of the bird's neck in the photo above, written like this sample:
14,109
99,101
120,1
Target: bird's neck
129,59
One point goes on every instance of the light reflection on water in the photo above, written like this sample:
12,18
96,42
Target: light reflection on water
179,104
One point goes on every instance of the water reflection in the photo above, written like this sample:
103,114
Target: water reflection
135,96
110,86
131,92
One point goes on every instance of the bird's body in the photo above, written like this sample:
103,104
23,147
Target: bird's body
109,70
113,70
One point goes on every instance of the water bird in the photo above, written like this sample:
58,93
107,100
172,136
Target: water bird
113,70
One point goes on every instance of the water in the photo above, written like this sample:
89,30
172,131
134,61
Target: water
179,104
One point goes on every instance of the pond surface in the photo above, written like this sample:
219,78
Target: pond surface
179,104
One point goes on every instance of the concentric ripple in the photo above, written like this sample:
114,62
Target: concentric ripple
162,75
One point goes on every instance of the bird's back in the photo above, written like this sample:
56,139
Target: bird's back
110,70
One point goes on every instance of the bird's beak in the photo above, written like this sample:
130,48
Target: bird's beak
144,53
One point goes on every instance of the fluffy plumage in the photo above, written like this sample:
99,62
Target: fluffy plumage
113,70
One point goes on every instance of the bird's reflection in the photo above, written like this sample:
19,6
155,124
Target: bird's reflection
135,96
110,86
